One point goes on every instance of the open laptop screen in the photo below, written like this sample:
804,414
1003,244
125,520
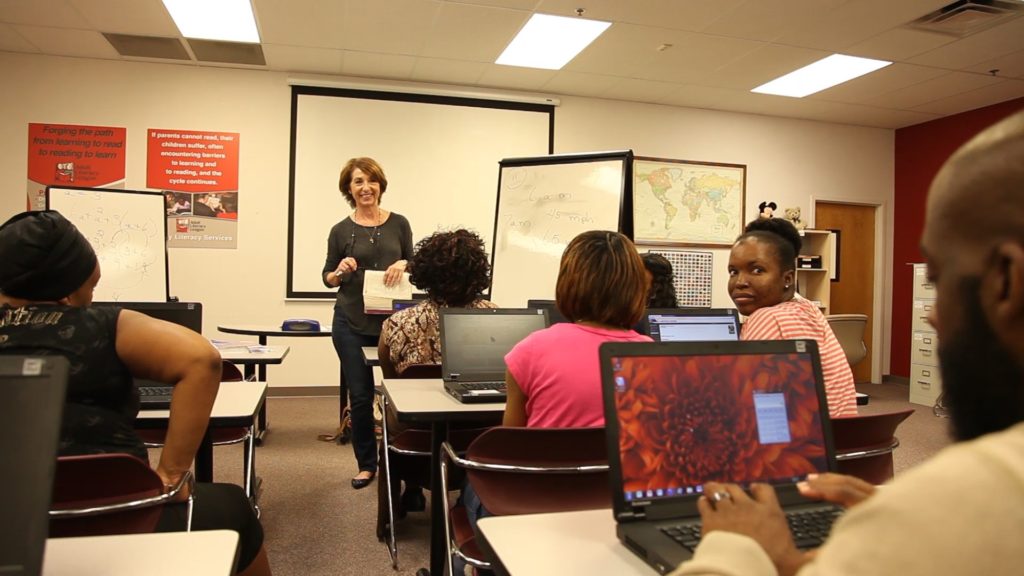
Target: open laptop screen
187,314
474,342
688,413
692,325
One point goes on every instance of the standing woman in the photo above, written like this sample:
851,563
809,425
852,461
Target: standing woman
370,239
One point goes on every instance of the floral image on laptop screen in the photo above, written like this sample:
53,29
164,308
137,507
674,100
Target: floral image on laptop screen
687,420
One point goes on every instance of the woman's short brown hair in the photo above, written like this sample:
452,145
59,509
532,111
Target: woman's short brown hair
601,279
370,167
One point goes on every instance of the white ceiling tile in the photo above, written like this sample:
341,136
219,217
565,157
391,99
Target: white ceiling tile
985,45
127,17
476,33
68,42
53,13
1005,90
693,96
640,90
303,59
931,90
389,26
514,77
1008,66
759,20
579,84
674,14
11,41
898,44
692,57
511,4
856,21
885,118
441,71
283,22
761,65
877,83
373,65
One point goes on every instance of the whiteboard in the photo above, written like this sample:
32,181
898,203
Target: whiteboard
543,203
439,154
128,231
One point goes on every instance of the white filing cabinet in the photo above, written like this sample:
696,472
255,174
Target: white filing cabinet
925,381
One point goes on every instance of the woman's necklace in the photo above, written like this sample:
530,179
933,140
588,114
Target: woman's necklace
375,234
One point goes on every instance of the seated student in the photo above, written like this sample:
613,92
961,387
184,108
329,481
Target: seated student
47,279
762,274
663,290
553,376
965,506
453,269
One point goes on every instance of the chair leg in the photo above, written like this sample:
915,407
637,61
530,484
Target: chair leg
249,466
449,555
391,541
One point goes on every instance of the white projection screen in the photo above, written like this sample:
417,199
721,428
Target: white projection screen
440,154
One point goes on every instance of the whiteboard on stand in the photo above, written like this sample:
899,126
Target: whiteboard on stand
128,231
545,202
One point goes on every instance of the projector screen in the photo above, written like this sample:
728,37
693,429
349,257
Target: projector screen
440,155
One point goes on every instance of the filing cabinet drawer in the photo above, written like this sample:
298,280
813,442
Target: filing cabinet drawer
925,384
922,288
919,318
924,349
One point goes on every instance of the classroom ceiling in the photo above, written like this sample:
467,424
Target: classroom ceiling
692,53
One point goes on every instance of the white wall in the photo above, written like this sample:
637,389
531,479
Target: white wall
788,161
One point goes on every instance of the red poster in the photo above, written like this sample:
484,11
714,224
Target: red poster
72,155
192,161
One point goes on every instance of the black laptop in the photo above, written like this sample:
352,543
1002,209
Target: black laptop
554,316
474,342
32,391
155,395
681,414
691,324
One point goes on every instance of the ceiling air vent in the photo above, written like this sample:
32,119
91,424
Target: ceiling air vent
227,52
965,17
147,46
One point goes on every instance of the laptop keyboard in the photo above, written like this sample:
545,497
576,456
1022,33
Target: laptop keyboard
496,385
155,397
809,528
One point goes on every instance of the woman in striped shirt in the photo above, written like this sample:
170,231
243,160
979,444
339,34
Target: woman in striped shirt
762,273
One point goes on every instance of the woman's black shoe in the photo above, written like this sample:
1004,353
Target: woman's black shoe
359,483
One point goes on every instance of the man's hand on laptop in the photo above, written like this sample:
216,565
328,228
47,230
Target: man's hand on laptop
846,491
757,515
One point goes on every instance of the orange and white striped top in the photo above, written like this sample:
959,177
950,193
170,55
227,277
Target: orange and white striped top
800,318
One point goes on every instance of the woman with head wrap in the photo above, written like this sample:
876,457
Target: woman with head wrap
47,279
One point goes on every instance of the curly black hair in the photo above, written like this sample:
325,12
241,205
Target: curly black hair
451,267
663,290
778,232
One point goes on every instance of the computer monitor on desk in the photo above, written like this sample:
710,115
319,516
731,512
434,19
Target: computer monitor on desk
554,316
691,324
187,314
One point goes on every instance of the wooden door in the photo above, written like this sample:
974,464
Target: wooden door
853,292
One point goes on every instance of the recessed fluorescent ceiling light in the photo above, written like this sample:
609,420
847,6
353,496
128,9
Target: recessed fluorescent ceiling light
550,42
230,20
822,74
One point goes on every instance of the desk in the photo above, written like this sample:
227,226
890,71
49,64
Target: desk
236,405
426,401
206,553
567,543
262,331
370,356
252,359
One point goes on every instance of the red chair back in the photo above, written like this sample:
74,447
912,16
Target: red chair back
103,480
864,444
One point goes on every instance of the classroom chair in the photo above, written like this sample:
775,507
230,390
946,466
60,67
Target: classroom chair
109,494
155,438
524,471
849,330
865,443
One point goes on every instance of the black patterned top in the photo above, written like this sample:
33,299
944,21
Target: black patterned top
102,400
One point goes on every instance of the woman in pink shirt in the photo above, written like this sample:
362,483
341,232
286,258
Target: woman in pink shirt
553,376
762,274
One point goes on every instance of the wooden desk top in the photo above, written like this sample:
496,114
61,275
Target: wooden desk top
254,354
566,543
205,553
424,400
270,330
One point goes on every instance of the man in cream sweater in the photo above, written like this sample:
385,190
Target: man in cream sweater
962,512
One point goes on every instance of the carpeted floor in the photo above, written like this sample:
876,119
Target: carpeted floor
316,524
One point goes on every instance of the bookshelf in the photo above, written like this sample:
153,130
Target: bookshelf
815,281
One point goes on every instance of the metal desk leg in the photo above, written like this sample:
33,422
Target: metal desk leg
437,547
261,420
204,458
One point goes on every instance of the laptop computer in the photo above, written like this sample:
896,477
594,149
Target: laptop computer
401,304
155,395
32,392
554,316
474,342
691,324
680,414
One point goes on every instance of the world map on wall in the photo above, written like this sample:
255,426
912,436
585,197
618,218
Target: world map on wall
687,202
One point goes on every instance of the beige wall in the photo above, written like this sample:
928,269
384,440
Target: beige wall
792,162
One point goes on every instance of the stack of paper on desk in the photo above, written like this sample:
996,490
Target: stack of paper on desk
377,297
